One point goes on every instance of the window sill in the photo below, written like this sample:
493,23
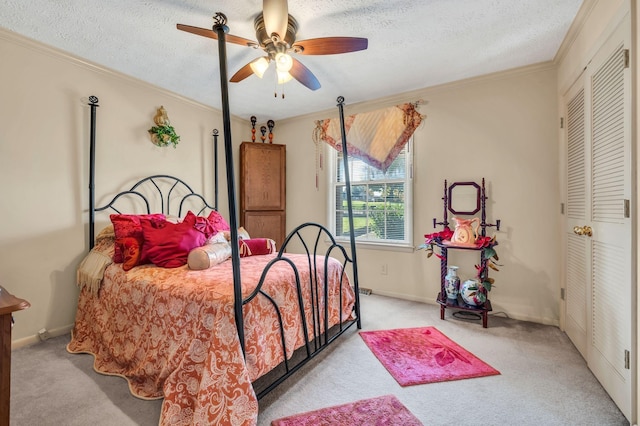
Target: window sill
369,245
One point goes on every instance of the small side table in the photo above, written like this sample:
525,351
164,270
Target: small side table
8,304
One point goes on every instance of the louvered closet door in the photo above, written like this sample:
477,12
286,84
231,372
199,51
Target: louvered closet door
599,230
577,300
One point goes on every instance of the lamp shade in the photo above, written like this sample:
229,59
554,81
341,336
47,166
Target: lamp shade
284,62
259,66
283,77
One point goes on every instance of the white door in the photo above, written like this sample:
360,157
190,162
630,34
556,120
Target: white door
598,224
577,300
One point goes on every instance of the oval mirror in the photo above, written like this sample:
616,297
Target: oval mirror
464,198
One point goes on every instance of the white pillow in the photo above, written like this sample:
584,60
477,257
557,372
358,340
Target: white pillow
208,255
218,238
242,234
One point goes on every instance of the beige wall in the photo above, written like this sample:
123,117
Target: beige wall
501,127
44,140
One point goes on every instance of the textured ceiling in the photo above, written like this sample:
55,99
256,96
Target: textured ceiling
413,44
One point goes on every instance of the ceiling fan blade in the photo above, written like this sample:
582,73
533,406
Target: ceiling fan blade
330,45
242,73
212,34
276,17
304,75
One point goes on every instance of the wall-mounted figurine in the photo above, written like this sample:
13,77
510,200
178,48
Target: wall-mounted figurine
163,133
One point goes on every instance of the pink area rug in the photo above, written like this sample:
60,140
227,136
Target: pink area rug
421,355
384,410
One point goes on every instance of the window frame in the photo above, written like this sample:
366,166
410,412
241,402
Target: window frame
407,243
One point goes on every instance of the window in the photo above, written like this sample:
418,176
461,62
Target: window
381,200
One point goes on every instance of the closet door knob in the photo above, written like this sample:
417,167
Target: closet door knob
583,230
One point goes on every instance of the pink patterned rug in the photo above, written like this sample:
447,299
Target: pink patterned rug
421,355
384,410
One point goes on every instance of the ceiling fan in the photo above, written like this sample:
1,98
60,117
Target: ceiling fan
276,35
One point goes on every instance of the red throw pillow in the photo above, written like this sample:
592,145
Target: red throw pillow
218,222
129,225
169,246
254,246
131,251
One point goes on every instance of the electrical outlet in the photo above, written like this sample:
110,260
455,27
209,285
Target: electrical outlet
383,269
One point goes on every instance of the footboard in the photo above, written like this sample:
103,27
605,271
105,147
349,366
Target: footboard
320,306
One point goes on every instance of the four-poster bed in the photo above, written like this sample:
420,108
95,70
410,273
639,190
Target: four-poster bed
210,342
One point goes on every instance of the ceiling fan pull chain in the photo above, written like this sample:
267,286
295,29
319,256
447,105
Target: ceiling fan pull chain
275,89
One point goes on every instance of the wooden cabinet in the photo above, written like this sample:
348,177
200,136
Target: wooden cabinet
263,190
8,304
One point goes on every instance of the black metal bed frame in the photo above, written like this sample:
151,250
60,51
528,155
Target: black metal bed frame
322,334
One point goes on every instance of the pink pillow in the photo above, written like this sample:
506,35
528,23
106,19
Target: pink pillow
129,225
169,246
202,224
218,222
254,246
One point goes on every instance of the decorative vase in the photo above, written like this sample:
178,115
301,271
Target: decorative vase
473,293
452,282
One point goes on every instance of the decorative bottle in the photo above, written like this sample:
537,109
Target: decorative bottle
452,282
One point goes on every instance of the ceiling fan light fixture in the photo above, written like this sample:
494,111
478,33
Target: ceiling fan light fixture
276,33
283,77
259,66
284,62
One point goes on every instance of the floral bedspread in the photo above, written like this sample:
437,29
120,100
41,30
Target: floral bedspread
171,333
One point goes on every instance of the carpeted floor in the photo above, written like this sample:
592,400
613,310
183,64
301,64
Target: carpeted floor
543,380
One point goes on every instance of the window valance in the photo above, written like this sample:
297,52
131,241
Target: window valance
374,137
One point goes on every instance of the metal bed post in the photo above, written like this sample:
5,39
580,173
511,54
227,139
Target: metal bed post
220,28
93,103
345,161
215,168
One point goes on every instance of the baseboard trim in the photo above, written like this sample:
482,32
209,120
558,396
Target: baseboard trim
404,296
432,301
30,340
